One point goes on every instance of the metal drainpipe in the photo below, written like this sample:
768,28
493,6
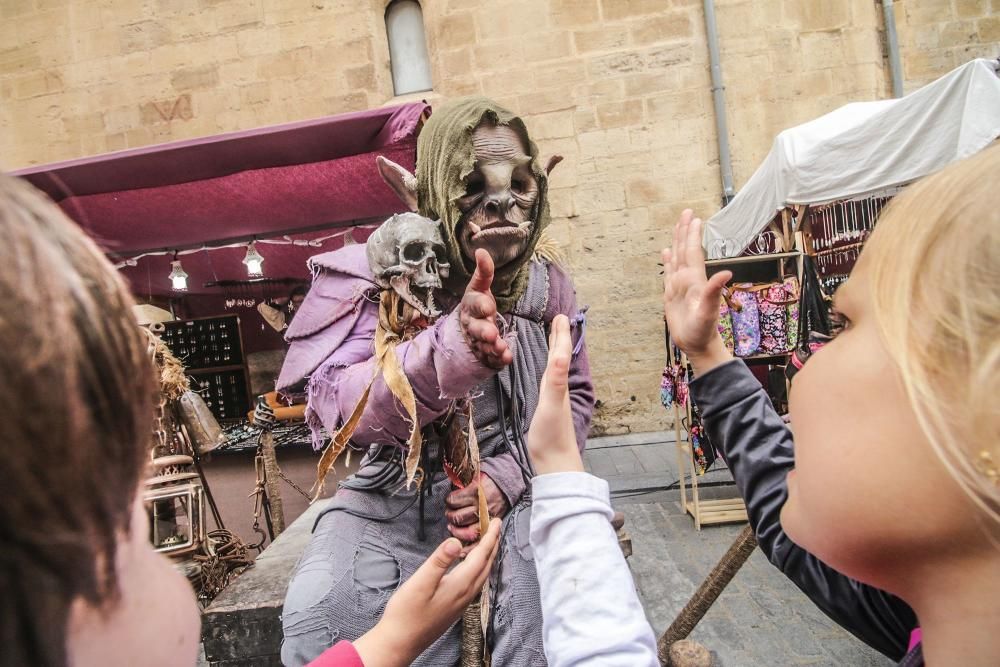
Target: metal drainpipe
892,43
719,98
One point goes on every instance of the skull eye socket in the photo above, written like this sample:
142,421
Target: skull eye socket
414,252
440,254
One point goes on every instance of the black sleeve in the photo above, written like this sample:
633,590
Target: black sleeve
741,422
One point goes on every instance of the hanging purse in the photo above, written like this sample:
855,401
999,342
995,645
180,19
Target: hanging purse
703,452
746,320
726,326
775,300
792,312
681,391
667,387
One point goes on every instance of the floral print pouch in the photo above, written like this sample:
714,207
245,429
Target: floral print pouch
774,302
792,310
667,387
746,321
726,326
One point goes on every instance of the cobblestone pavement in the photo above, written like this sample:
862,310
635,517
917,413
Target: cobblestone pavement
761,618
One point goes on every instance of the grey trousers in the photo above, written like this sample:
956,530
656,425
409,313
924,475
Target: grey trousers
352,565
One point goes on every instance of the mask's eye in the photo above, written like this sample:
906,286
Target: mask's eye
518,185
474,186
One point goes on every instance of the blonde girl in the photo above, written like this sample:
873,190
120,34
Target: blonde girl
885,510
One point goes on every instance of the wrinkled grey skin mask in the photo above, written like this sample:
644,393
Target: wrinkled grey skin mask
500,194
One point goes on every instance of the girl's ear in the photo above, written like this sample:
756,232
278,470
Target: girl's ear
402,182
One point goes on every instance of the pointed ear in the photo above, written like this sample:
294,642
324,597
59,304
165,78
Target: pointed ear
551,164
402,182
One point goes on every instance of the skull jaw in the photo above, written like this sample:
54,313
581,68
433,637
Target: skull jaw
411,294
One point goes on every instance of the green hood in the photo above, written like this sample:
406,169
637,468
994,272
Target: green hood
445,156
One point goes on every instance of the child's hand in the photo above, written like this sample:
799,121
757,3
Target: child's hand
690,300
551,438
429,602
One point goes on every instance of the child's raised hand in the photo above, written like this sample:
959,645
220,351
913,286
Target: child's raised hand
690,299
551,438
429,602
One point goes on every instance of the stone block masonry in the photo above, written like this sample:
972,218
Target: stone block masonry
620,88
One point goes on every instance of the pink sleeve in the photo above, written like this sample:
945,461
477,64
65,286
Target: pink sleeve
341,654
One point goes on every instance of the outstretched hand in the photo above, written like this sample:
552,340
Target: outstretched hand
478,317
690,299
429,602
552,438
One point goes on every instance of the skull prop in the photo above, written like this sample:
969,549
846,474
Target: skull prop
406,254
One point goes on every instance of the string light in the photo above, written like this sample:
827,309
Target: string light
254,261
178,277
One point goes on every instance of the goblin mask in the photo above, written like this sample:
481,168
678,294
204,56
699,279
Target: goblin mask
478,172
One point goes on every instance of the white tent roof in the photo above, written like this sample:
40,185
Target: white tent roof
864,148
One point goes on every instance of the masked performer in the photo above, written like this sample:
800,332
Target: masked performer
479,174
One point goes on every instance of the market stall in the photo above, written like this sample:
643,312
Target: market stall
794,232
208,230
862,150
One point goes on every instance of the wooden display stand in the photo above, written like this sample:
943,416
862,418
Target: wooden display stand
708,512
728,510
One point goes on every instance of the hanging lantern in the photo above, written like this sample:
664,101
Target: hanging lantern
254,261
178,277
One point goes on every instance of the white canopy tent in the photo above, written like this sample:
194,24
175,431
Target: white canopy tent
863,149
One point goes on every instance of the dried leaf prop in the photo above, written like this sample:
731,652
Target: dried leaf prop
398,321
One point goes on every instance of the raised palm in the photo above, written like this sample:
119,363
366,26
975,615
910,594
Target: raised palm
690,299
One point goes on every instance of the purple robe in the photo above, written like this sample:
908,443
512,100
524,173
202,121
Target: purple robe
332,343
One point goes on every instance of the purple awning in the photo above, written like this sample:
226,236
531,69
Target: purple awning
298,177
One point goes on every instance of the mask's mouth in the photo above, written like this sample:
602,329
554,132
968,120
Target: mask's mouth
500,229
420,297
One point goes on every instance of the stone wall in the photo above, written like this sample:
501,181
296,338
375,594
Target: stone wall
80,77
939,35
620,88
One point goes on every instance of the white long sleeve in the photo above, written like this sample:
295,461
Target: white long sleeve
590,610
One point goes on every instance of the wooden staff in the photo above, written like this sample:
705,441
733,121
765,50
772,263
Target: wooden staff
272,482
707,593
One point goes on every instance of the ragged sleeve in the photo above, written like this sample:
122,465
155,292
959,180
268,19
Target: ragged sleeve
437,362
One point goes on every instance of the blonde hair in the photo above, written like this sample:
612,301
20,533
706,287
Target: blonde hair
935,266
